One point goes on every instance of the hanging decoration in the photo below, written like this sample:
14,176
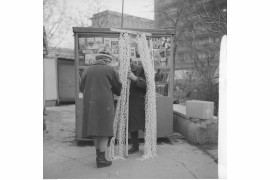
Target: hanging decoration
150,136
121,115
151,49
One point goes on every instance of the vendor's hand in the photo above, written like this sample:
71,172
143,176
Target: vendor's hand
131,76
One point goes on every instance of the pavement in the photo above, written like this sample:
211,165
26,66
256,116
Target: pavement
63,158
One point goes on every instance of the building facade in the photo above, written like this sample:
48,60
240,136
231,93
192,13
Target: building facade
193,46
112,19
58,76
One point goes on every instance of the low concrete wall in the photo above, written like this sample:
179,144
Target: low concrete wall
197,131
50,103
50,81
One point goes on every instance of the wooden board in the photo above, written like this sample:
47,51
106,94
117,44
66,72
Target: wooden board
164,117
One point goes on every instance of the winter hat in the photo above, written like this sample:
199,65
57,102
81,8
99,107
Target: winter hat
103,54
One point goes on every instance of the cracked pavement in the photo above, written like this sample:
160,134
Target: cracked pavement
63,159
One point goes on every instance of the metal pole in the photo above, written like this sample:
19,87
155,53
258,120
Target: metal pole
122,22
128,88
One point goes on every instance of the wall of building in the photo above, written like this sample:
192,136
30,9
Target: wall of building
66,80
50,81
205,42
113,19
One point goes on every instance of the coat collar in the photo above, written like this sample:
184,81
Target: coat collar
99,62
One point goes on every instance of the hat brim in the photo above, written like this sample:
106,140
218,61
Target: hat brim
105,56
114,64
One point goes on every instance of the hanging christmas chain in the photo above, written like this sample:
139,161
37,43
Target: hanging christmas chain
150,137
121,114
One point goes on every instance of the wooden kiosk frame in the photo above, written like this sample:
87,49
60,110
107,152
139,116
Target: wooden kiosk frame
85,37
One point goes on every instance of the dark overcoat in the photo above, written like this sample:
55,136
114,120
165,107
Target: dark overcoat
99,83
137,100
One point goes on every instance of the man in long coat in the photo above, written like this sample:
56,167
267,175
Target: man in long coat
99,84
136,105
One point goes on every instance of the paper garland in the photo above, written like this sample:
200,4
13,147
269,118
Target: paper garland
121,115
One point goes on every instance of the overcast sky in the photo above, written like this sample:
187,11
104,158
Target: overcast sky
140,8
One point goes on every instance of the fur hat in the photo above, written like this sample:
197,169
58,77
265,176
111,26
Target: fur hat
102,53
105,55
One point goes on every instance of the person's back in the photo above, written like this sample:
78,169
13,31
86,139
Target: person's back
99,83
99,77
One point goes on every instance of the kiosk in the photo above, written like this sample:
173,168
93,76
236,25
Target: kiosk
87,42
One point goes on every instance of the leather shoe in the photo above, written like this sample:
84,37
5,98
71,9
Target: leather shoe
133,150
102,161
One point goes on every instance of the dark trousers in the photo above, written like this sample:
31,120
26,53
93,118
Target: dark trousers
134,138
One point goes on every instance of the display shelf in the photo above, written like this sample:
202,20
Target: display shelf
162,67
83,67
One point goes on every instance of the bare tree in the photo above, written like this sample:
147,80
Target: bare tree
82,18
96,7
55,21
178,23
192,17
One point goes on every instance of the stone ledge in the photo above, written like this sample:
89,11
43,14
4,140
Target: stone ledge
197,131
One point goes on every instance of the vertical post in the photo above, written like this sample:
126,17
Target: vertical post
76,39
127,118
44,84
172,67
122,23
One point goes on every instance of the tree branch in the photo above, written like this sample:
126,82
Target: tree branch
220,11
165,14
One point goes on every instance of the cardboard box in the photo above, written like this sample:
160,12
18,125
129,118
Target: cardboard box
200,109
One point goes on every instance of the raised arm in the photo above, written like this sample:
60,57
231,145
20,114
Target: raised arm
116,84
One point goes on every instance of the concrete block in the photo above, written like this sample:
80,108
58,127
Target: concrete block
197,131
199,109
